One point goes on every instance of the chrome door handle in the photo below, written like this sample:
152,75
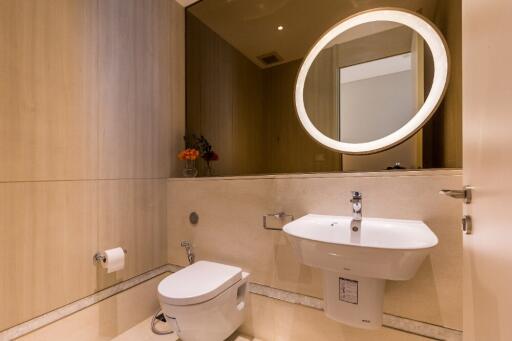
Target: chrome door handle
464,194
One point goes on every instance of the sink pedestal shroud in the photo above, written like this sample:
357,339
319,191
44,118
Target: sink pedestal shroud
354,300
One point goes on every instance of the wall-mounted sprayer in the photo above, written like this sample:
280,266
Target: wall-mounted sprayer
159,317
190,252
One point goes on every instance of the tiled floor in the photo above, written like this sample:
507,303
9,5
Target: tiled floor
142,332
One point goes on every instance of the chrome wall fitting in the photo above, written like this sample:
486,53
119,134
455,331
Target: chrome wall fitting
357,211
190,252
279,215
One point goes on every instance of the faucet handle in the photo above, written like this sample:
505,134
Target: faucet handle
357,195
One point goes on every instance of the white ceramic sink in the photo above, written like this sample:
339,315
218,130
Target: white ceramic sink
356,264
382,248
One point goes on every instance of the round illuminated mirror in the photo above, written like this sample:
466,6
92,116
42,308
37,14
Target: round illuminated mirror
372,81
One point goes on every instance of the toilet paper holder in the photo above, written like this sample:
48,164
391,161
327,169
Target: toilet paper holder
100,257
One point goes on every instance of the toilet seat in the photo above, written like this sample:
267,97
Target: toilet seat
198,283
204,301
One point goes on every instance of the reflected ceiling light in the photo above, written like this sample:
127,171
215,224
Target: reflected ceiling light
280,28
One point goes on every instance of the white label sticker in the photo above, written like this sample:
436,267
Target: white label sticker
348,290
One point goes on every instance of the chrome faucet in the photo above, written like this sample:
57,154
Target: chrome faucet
357,211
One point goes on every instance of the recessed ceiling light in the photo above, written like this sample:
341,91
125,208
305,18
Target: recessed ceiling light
280,28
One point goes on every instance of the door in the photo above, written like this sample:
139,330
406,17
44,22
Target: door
487,131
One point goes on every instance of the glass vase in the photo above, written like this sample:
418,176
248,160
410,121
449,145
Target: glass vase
190,170
209,170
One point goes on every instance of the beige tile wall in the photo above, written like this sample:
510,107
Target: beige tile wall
132,213
273,320
91,93
230,230
106,319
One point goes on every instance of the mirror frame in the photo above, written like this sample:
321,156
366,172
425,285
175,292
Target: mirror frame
439,49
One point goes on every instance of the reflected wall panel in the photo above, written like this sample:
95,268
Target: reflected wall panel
224,101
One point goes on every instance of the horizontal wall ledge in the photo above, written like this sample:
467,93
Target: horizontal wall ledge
337,175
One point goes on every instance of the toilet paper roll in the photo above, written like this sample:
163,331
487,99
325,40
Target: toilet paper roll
114,260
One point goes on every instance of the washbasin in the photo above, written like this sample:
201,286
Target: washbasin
382,248
357,257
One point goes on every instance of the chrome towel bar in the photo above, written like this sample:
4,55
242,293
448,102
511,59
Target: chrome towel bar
282,216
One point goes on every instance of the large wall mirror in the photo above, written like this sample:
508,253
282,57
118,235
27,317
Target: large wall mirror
244,59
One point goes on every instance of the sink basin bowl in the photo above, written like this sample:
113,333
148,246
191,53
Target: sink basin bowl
389,249
356,264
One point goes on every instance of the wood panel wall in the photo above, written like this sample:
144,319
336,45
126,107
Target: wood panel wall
442,138
289,148
91,107
247,113
224,101
450,21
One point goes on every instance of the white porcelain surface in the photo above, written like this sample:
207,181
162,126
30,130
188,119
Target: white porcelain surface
198,283
216,318
383,248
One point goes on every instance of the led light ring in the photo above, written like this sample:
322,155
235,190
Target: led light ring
439,52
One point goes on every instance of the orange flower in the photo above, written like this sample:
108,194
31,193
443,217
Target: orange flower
188,154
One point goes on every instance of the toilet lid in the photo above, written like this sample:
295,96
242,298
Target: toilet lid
198,283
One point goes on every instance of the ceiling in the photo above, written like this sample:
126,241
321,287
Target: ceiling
250,26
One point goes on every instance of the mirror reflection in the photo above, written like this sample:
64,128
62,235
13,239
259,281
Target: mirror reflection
242,58
367,82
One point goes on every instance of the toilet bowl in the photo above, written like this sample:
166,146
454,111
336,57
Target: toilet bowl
204,301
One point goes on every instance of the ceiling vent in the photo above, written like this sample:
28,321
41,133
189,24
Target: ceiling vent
270,58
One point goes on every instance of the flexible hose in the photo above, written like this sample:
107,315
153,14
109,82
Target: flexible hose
154,322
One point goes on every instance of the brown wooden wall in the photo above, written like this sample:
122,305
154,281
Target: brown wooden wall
443,134
224,101
247,113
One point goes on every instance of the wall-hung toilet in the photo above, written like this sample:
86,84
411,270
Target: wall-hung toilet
204,301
